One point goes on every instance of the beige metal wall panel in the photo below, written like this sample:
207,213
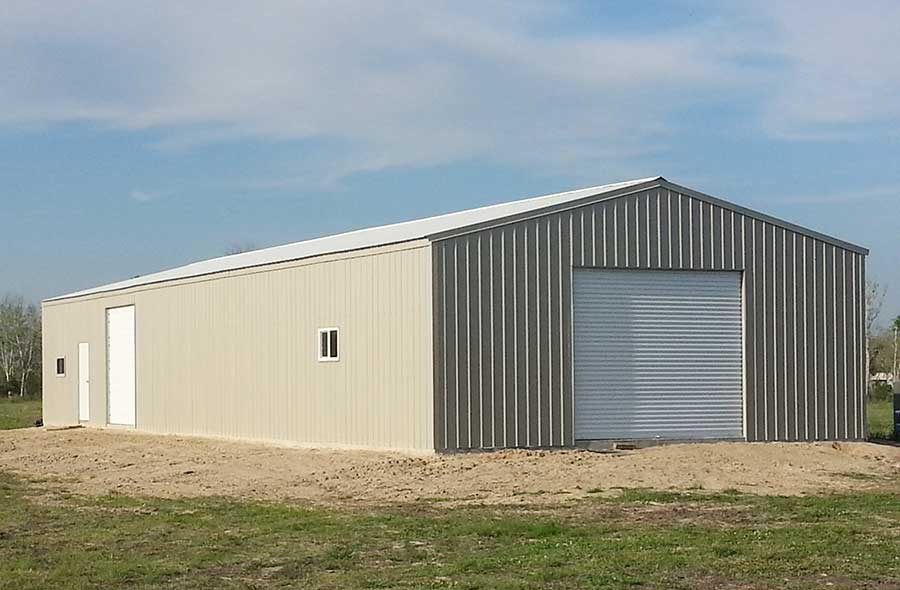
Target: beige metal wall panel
503,315
235,354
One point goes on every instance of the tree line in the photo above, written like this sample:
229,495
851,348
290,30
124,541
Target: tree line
883,343
20,347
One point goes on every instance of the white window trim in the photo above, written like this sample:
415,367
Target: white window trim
328,359
65,368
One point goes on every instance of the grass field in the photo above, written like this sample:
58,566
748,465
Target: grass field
640,540
881,419
53,538
19,413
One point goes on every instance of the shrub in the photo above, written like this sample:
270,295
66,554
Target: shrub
880,392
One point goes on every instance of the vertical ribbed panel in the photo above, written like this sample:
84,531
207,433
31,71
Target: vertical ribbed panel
658,354
235,354
803,332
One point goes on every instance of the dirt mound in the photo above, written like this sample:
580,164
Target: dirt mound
100,461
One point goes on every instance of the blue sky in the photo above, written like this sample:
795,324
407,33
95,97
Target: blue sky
143,135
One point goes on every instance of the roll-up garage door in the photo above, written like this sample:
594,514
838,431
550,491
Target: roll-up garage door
658,354
120,365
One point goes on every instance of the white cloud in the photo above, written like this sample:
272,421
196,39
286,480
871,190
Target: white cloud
411,84
841,75
859,194
399,83
143,196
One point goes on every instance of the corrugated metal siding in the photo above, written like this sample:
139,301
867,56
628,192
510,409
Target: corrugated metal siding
803,329
235,355
658,354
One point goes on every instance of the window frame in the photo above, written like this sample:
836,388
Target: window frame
64,363
328,358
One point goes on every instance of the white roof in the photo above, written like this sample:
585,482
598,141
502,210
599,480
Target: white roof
363,238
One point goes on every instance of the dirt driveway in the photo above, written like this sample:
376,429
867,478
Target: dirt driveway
98,461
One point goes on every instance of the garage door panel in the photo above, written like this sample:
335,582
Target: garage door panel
658,354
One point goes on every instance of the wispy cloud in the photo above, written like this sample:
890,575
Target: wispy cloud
881,193
143,196
841,74
417,84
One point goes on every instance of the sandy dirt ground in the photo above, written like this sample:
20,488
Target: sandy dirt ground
92,461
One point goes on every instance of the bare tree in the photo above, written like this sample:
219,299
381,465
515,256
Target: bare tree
20,341
874,300
7,343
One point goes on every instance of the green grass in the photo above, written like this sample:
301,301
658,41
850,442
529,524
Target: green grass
641,539
881,419
16,413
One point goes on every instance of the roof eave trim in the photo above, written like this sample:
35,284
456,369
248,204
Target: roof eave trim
261,267
767,218
548,210
636,188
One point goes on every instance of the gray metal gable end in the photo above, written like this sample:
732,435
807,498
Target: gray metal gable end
503,312
658,182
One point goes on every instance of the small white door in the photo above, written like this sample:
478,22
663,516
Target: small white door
120,365
84,381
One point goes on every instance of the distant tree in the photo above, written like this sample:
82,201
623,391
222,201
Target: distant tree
875,293
881,348
874,300
20,342
239,248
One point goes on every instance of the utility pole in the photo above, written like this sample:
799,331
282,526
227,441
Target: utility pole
894,368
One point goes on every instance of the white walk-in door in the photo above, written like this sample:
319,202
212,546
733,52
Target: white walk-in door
658,354
120,365
84,381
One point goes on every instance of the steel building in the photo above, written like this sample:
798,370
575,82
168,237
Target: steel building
640,310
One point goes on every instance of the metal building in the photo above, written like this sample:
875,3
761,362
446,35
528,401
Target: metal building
640,310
